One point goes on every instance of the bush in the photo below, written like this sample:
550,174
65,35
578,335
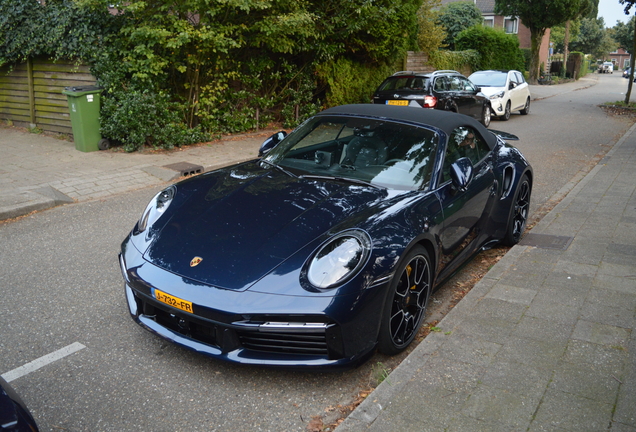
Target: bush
229,103
497,49
173,69
302,96
352,82
465,62
139,118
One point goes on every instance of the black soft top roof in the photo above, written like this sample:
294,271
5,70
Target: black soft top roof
445,120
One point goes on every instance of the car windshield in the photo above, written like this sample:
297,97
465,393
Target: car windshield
489,79
404,83
343,148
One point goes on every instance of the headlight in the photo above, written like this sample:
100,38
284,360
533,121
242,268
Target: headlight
498,95
155,208
339,259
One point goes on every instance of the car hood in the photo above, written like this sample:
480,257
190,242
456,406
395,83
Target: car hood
489,91
244,221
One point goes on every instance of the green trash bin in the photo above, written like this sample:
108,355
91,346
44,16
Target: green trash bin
83,104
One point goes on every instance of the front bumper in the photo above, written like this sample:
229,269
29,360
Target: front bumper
498,106
253,327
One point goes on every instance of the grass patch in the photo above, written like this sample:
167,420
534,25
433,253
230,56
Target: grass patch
380,373
622,104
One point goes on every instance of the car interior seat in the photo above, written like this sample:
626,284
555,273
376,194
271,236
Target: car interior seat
363,151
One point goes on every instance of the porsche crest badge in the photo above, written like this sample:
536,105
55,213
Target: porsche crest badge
195,261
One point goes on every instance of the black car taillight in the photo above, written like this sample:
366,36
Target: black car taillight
430,101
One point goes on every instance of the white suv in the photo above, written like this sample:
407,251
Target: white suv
507,90
606,67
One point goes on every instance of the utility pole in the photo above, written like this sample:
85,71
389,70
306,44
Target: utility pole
632,57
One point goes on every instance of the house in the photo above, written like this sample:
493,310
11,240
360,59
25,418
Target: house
511,25
620,58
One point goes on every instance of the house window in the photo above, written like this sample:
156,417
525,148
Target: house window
489,21
511,25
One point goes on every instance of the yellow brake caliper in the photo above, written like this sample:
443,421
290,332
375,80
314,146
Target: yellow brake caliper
409,270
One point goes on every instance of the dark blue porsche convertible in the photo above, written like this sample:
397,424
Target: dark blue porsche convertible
328,246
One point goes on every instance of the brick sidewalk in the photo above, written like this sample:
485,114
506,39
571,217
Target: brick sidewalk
39,171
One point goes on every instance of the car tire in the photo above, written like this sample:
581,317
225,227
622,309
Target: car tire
405,306
526,108
506,115
518,212
485,115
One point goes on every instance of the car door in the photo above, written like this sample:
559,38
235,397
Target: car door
441,90
465,212
518,92
454,98
471,104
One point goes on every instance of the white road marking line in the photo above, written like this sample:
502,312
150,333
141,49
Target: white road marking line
42,361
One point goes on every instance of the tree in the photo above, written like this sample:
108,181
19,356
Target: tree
458,16
585,8
628,5
538,16
431,34
557,34
590,36
606,45
623,33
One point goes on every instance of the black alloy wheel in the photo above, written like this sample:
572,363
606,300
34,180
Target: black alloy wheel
526,108
506,115
406,305
519,212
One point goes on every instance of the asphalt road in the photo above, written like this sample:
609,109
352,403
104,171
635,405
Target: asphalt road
564,136
61,287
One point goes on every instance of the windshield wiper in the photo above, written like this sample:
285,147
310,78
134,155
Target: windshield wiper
280,168
342,179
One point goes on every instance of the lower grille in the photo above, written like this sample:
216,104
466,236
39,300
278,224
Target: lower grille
287,343
270,337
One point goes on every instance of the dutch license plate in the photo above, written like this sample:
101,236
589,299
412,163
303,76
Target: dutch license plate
173,301
398,102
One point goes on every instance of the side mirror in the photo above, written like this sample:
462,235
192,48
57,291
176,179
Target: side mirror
271,142
512,85
461,173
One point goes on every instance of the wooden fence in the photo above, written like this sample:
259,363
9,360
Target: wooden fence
31,93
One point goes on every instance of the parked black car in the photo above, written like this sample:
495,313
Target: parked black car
444,90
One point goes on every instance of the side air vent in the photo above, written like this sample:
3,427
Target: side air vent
508,177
